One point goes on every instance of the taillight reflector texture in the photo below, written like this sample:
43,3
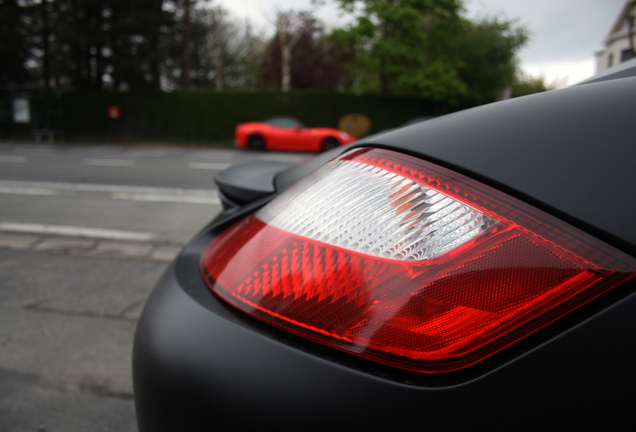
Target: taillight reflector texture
406,263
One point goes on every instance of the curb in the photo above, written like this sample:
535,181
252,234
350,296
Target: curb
148,251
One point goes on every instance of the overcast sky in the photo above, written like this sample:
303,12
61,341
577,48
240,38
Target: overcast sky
565,33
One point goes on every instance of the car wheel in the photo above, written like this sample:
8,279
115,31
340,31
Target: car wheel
328,144
256,142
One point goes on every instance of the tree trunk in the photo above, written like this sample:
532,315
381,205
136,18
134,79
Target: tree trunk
218,59
99,59
185,59
285,84
154,46
46,60
250,55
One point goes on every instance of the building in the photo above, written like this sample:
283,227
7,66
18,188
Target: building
620,42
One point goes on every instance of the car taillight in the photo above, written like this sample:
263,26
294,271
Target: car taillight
406,263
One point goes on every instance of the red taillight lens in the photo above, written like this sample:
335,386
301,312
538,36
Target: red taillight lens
406,263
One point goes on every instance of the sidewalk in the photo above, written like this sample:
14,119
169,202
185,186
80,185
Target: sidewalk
152,251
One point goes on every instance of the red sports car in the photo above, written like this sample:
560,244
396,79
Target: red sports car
287,133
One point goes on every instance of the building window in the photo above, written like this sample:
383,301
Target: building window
610,60
626,55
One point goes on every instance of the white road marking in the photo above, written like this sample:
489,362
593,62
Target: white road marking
89,187
13,159
208,165
283,157
187,199
106,151
26,191
74,231
37,150
148,153
109,162
212,154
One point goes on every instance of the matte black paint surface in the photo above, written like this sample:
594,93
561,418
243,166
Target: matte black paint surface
200,365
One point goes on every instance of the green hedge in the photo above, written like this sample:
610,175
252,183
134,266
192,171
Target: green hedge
208,115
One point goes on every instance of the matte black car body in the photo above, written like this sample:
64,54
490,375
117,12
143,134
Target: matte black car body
200,365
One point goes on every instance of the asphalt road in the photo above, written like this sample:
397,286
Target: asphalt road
85,232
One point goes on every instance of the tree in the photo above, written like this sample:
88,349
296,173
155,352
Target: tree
395,45
525,84
14,46
186,42
224,52
249,50
241,56
290,26
138,34
214,34
86,44
485,54
314,62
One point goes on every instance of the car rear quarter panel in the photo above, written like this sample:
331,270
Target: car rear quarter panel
201,365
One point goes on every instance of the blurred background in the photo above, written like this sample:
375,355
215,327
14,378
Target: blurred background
115,115
190,70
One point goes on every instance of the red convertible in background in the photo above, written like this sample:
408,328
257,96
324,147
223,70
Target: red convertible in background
286,133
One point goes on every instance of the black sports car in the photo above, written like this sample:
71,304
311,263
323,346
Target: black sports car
474,271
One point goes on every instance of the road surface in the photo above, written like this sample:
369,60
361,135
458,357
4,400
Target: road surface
85,232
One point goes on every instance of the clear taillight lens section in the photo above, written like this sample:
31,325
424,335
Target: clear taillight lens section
377,212
406,263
